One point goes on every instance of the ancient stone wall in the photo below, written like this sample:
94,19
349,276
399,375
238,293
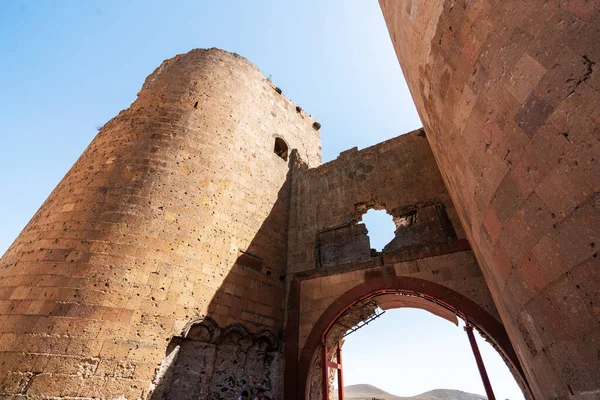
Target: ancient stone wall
172,238
177,211
330,257
398,175
509,93
456,270
209,360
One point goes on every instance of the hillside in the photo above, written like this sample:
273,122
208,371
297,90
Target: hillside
368,392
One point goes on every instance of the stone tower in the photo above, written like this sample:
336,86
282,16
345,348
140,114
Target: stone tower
173,222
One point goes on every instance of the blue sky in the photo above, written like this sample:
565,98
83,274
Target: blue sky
69,66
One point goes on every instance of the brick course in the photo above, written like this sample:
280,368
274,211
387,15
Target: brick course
508,95
142,235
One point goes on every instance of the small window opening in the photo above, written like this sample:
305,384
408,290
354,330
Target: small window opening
381,228
196,105
281,148
250,261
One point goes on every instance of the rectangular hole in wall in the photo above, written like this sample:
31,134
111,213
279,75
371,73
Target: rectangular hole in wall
251,261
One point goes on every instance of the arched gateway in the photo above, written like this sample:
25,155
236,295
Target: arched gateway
336,279
387,292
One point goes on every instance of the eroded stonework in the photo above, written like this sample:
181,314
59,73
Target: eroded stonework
176,211
509,93
198,248
210,362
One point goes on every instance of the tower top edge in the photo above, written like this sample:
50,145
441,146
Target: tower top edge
225,55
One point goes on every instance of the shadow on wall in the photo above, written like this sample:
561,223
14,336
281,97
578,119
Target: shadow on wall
238,345
217,363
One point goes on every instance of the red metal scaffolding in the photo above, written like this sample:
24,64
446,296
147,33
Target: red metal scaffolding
335,365
326,364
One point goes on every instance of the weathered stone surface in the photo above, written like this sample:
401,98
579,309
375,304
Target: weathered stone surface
198,223
508,95
398,175
219,363
347,243
144,232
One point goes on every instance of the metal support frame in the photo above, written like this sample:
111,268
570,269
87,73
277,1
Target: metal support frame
366,322
484,376
340,373
326,364
324,369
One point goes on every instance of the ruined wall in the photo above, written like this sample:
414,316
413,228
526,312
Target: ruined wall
330,256
208,360
457,271
144,235
508,92
398,175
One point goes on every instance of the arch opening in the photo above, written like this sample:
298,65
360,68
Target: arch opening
365,311
281,148
367,302
409,352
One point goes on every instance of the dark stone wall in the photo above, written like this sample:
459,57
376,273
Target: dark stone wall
210,362
343,244
398,175
509,93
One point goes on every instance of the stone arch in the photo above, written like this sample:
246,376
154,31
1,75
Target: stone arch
281,147
491,328
233,334
203,329
269,338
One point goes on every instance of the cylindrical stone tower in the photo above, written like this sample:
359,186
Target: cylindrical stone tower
509,95
175,215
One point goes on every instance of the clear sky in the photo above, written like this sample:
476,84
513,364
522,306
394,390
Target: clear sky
69,66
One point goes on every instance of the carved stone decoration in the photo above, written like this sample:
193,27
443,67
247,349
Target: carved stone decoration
215,363
315,376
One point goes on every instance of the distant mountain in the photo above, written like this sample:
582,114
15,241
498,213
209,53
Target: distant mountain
446,394
368,392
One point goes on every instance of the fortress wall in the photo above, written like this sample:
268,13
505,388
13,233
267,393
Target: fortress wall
143,234
329,252
509,93
398,175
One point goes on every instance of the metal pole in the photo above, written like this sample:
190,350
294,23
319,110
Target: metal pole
340,373
484,376
324,370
